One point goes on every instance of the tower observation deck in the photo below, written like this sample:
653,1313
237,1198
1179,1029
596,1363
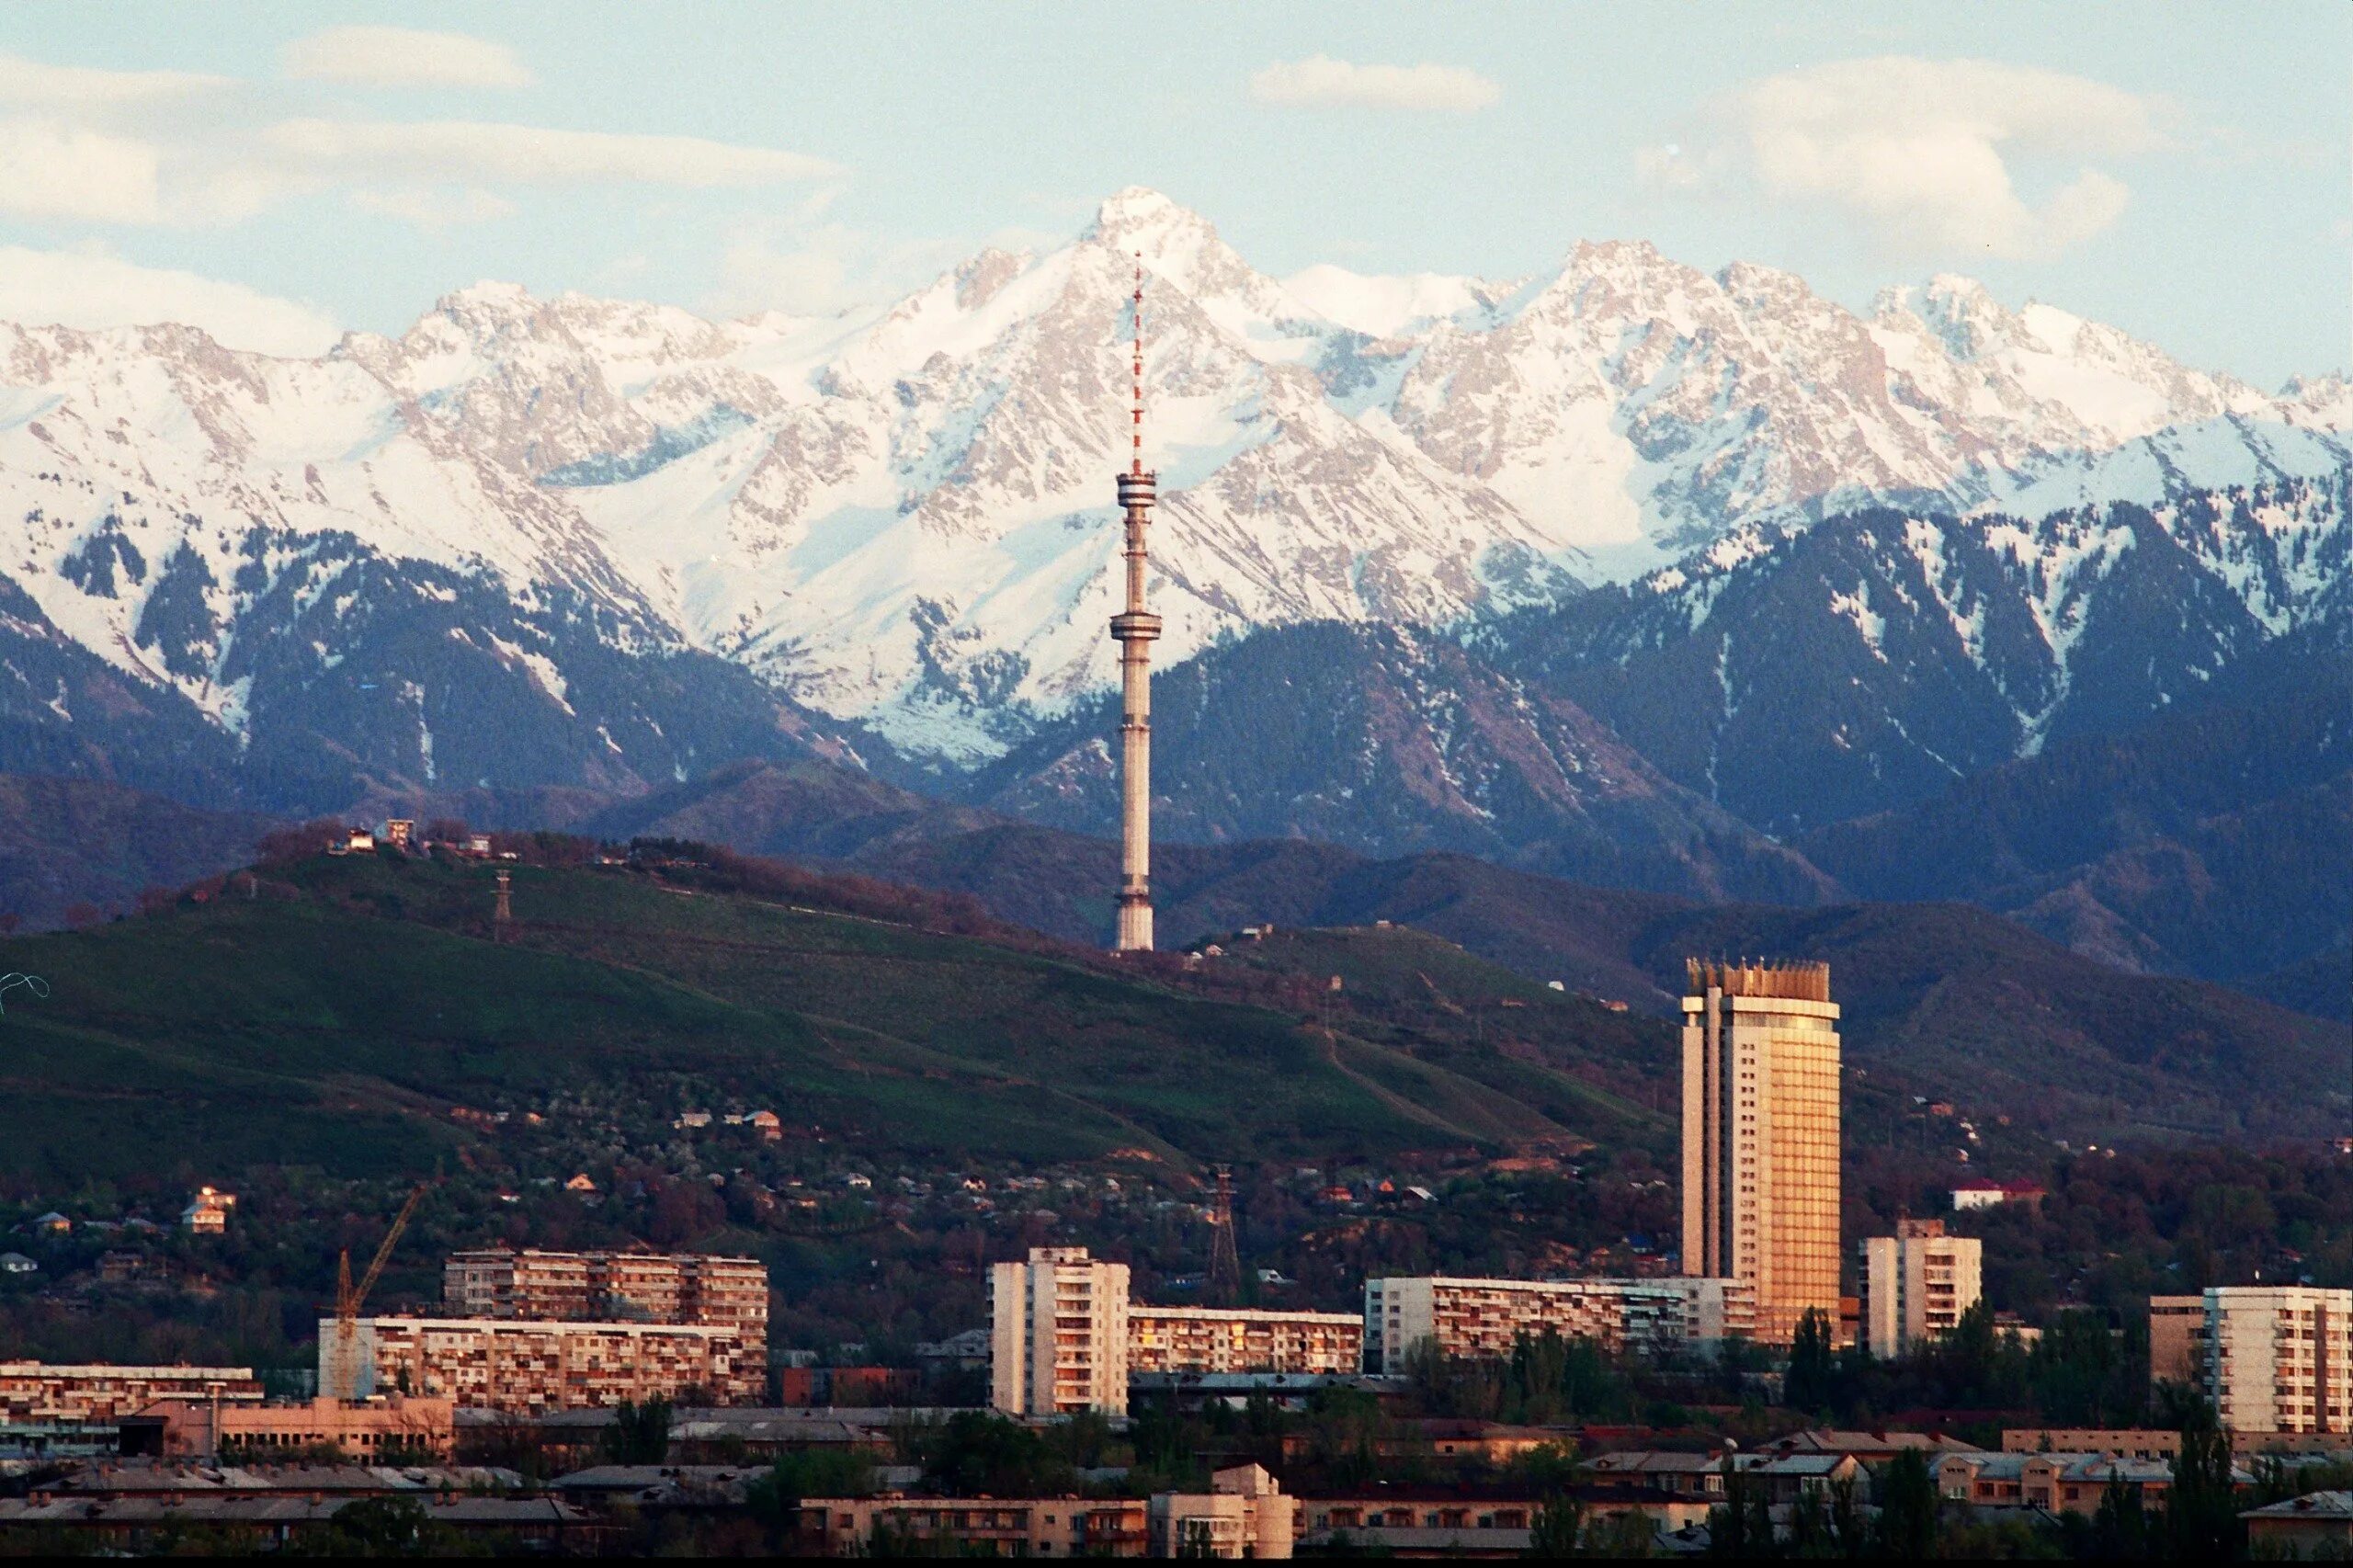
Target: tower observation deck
1134,630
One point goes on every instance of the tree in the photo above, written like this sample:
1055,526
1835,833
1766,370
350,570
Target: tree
1554,1530
640,1433
977,1454
386,1527
2201,1507
1811,1383
2119,1530
1908,1507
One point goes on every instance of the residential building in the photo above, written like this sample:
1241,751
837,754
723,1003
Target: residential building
1716,1310
1917,1283
17,1263
2317,1526
1480,1319
2055,1483
208,1212
2279,1358
1058,1334
389,1427
519,1365
32,1392
1237,1339
1001,1527
1991,1194
2177,1340
632,1287
1760,1136
1243,1514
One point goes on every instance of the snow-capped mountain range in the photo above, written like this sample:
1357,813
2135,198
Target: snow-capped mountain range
900,520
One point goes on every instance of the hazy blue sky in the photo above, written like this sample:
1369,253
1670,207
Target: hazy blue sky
2178,169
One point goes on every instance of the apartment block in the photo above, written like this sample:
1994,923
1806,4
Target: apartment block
1480,1319
32,1392
2279,1358
1058,1334
1219,1339
1760,1137
524,1365
1917,1283
625,1286
2177,1340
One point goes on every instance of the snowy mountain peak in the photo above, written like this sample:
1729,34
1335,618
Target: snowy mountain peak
900,515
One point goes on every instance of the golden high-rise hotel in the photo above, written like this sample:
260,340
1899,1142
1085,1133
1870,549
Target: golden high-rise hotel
1760,1137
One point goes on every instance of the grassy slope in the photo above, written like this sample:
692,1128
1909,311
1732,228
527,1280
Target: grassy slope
337,1028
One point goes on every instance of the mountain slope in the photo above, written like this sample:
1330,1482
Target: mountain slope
1391,742
1798,679
1952,996
334,1020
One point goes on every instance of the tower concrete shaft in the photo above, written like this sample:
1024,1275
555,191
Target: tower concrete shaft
1134,630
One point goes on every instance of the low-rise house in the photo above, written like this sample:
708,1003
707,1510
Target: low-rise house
208,1212
2317,1524
1492,1441
2054,1483
17,1263
1677,1474
53,1224
1003,1527
250,1525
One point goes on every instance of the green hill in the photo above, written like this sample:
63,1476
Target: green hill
337,1015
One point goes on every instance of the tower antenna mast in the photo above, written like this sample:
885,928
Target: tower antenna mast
1134,629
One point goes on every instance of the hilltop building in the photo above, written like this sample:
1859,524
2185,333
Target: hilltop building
1058,1334
1760,1137
1917,1283
208,1212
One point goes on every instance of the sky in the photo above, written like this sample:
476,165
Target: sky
279,173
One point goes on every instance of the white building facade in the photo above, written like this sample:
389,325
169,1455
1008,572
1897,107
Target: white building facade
1917,1283
1058,1334
2279,1358
1470,1319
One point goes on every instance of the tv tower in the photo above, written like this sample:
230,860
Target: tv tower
1134,630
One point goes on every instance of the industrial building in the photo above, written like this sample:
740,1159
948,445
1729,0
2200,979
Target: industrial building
1917,1283
1760,1137
1058,1334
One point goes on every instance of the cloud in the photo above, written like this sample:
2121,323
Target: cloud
1321,82
435,210
33,84
48,170
467,152
94,288
402,57
1920,153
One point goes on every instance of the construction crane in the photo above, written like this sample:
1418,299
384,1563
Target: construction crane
349,1297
